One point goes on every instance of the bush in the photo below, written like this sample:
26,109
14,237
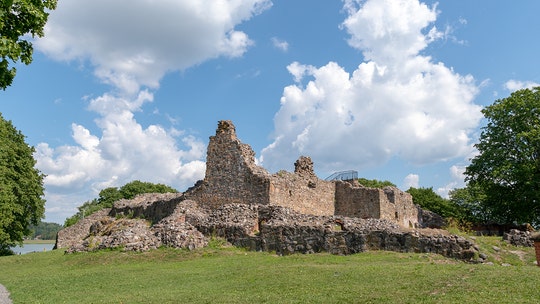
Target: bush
426,198
108,196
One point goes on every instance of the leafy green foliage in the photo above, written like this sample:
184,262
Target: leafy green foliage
18,18
45,231
108,196
507,168
470,201
373,183
85,209
130,190
426,198
21,187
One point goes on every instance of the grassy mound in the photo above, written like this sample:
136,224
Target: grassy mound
220,274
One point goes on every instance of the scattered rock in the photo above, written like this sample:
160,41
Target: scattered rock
257,227
519,238
283,212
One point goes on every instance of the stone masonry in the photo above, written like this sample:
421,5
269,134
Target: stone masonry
231,174
283,212
233,177
390,203
255,227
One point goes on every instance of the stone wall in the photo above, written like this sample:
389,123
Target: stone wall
399,206
256,227
519,238
302,191
233,177
285,231
131,225
390,203
231,173
74,235
150,206
354,200
283,212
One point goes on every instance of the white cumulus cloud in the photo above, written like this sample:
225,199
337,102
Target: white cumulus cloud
131,45
457,174
411,180
134,43
514,85
280,44
397,103
125,151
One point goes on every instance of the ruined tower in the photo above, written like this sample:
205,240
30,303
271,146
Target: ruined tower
233,177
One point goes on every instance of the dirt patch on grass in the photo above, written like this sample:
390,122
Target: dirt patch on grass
521,254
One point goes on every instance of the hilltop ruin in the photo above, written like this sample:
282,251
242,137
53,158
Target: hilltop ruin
285,212
233,177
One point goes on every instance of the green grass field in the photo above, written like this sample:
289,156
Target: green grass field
230,275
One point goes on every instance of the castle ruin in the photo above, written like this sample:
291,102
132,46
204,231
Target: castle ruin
283,212
233,177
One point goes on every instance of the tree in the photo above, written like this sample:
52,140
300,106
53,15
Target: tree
469,200
373,183
21,187
108,196
18,18
134,188
507,167
45,231
426,198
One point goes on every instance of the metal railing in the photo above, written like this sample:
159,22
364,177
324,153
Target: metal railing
343,175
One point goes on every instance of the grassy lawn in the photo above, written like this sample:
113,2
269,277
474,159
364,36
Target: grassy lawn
230,275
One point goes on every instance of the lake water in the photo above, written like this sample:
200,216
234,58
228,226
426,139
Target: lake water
26,248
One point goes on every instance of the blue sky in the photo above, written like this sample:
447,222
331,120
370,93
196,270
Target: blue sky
125,90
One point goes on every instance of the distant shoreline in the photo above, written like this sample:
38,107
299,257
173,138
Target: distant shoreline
39,241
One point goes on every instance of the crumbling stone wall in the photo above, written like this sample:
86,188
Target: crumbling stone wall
73,235
256,227
233,177
132,226
354,200
398,205
302,190
150,206
285,231
519,238
389,203
231,173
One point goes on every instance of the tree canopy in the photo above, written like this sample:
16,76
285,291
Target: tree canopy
374,183
18,18
426,198
507,167
44,231
469,201
21,187
108,196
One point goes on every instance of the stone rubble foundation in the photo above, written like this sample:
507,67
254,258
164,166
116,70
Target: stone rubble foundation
130,226
285,212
